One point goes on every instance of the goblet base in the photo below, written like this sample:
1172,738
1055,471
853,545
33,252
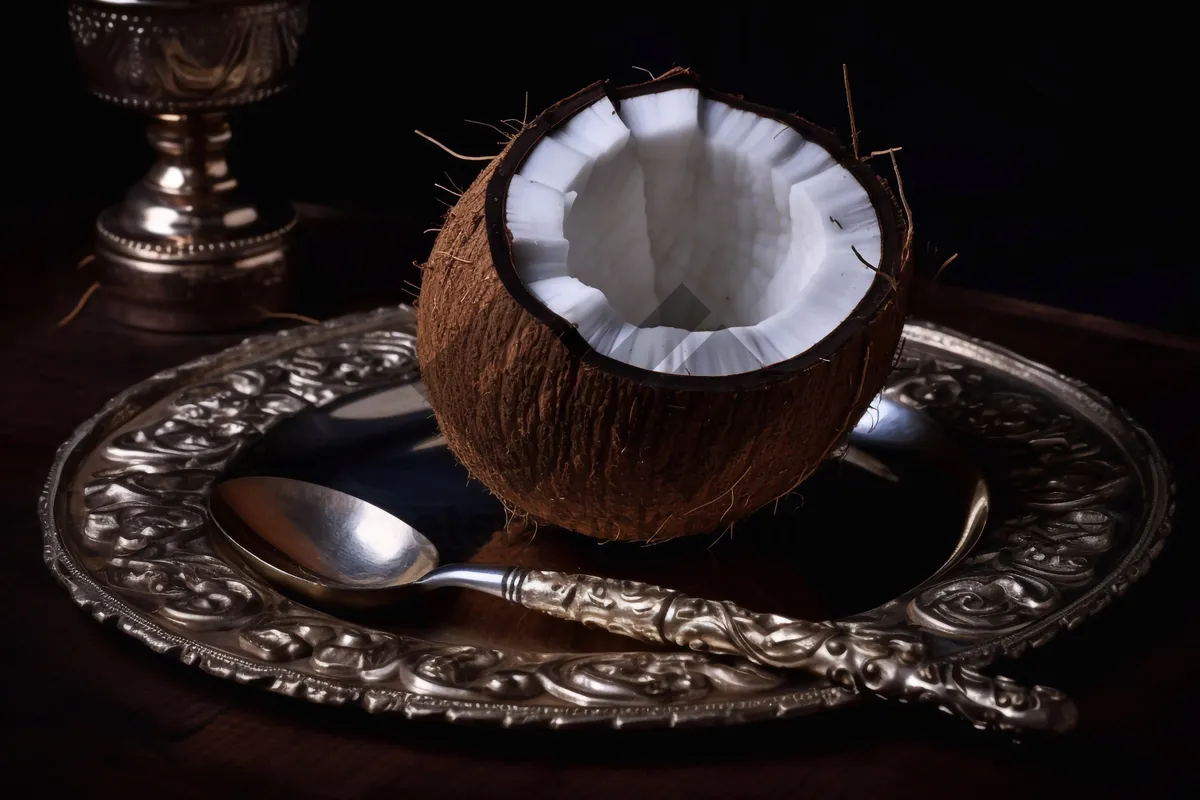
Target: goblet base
233,285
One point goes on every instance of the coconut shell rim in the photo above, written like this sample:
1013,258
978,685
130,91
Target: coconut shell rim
874,302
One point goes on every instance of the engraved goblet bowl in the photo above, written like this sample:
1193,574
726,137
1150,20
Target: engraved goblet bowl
189,248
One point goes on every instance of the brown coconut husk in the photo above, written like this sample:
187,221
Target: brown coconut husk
568,437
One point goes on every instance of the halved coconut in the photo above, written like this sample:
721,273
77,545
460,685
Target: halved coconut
650,315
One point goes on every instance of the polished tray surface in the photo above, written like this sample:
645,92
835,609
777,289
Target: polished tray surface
1078,501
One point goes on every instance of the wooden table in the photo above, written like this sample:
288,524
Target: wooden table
87,709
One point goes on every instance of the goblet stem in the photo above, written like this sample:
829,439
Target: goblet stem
189,248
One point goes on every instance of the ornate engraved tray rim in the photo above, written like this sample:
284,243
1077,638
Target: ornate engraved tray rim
456,673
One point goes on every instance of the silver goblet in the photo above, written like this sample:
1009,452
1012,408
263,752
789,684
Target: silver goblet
188,248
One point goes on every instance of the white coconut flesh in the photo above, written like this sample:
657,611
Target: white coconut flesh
685,236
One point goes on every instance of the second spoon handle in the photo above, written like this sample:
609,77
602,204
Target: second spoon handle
892,665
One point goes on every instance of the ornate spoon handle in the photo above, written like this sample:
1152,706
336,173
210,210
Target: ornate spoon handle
892,665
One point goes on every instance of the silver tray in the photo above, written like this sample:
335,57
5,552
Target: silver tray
1084,502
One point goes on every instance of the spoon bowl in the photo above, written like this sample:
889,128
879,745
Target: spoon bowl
333,547
360,546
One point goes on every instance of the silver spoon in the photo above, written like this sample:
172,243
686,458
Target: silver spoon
330,546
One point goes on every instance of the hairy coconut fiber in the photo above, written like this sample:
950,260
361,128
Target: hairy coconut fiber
581,441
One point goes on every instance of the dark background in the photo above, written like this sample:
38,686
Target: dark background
1043,146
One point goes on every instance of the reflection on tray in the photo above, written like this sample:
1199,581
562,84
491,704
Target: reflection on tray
849,538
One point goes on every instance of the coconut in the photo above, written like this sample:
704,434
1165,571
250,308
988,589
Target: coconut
660,308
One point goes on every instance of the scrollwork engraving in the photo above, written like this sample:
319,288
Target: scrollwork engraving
1064,478
640,678
197,591
468,672
985,602
623,607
